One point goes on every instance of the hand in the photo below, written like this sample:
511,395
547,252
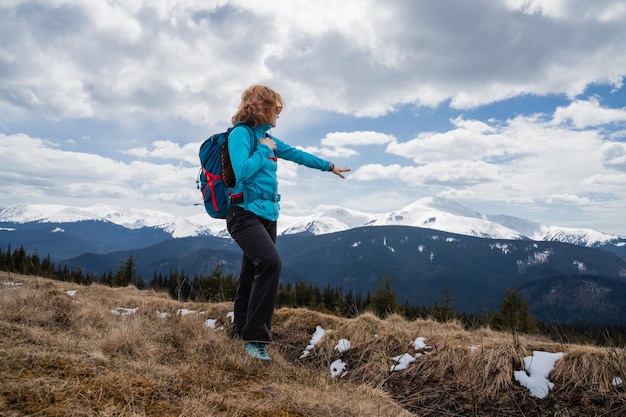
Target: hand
269,142
339,171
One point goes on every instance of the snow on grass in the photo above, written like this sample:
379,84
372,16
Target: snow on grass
402,362
420,344
343,345
338,369
163,314
315,338
538,369
212,324
122,311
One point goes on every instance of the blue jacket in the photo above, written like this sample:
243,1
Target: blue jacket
256,171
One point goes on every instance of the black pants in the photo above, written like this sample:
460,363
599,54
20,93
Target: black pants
260,271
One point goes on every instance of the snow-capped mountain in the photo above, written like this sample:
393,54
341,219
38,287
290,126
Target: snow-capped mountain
132,218
537,231
418,245
430,212
440,214
330,219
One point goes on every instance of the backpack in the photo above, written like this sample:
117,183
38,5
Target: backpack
216,173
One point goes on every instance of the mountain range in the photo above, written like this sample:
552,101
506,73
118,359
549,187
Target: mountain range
430,212
568,274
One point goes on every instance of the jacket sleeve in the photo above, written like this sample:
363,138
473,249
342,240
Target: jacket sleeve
239,146
285,151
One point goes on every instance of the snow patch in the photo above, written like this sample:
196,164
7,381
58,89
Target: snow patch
504,247
581,266
163,315
402,362
338,368
539,366
212,324
419,344
315,339
123,311
342,345
536,258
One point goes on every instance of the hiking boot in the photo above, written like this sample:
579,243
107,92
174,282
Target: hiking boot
257,351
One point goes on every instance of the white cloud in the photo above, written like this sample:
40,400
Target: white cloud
336,152
336,144
338,139
614,155
191,59
567,198
588,113
526,158
165,149
364,75
607,180
602,10
43,172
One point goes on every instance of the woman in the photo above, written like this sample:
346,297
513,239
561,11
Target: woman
251,219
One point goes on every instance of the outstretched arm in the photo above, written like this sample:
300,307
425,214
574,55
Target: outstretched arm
298,156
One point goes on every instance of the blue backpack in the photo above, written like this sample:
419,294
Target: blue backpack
216,174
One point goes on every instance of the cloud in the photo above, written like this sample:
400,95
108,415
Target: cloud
337,144
588,113
614,155
487,53
522,158
379,82
567,198
336,152
439,174
191,60
43,172
471,139
110,58
165,149
603,11
339,139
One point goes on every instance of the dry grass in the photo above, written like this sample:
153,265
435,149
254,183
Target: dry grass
71,356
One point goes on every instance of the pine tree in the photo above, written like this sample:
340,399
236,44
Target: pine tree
384,299
126,274
444,312
514,314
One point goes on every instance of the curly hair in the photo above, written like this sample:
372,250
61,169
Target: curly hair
257,105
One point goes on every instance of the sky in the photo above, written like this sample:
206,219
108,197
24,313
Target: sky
514,107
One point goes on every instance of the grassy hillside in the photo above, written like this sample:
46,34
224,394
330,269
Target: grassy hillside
69,354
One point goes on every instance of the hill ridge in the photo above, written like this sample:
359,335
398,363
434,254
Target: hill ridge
163,357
